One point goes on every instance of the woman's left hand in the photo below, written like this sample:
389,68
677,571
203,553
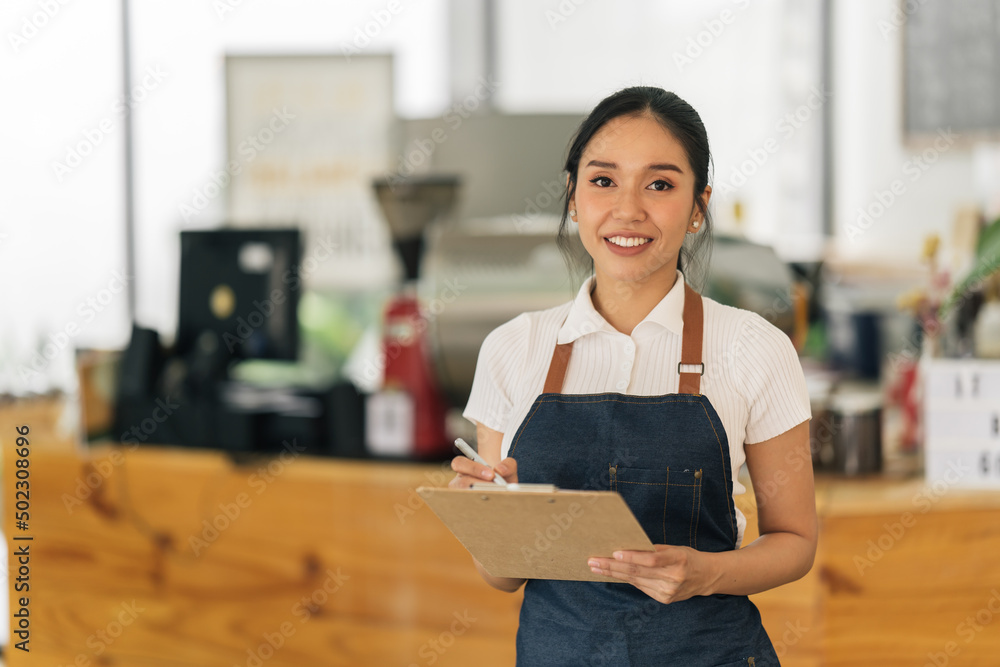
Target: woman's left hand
669,574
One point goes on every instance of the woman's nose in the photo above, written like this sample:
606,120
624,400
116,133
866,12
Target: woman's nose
628,206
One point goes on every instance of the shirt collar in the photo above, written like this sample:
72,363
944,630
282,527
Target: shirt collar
584,319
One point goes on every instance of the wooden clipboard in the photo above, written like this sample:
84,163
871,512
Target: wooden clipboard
535,534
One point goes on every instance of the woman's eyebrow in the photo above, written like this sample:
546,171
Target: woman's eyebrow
664,166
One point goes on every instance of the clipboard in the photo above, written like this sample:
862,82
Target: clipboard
538,531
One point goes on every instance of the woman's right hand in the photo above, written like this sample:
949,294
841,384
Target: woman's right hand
470,472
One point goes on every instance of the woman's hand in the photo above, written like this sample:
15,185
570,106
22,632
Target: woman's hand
470,472
669,574
781,470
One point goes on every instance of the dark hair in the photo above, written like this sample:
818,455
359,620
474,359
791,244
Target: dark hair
683,122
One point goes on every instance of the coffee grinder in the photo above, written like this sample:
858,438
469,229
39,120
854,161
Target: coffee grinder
409,206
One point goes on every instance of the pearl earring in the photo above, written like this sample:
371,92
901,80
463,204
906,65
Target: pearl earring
572,213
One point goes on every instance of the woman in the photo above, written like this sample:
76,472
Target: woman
642,386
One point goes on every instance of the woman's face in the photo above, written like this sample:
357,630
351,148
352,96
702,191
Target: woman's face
635,201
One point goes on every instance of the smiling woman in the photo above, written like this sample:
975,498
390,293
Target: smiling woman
644,387
634,199
671,157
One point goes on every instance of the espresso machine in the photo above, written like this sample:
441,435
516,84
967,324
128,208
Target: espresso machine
410,409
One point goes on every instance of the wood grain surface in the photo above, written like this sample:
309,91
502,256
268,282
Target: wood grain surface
174,557
166,556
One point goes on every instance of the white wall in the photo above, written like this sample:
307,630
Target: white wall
61,231
182,130
743,64
62,238
871,154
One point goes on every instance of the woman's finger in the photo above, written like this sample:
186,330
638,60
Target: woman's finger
466,466
621,569
508,469
648,580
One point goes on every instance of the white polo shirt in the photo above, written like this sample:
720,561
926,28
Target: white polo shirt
753,377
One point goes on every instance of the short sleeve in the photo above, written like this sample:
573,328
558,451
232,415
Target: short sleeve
771,380
498,370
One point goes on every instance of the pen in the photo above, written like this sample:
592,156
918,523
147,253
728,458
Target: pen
471,453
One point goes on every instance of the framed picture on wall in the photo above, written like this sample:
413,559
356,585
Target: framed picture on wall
306,135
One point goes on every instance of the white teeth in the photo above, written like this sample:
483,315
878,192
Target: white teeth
628,242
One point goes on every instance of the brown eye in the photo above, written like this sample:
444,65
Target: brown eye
601,182
660,186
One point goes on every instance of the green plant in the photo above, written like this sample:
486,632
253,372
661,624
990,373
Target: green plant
986,264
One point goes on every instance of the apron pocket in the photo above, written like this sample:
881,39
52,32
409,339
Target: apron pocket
667,501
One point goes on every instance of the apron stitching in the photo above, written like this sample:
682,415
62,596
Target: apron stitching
523,427
729,503
625,481
694,399
697,399
694,499
697,515
666,492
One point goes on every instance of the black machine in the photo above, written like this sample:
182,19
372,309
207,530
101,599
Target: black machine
239,296
241,288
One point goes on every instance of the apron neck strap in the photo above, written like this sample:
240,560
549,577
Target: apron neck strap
690,380
557,368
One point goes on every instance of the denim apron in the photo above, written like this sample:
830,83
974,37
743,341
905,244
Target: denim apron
668,456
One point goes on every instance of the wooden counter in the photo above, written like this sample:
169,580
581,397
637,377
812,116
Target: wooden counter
165,556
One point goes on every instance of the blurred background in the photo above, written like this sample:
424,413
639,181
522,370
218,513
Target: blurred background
251,248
